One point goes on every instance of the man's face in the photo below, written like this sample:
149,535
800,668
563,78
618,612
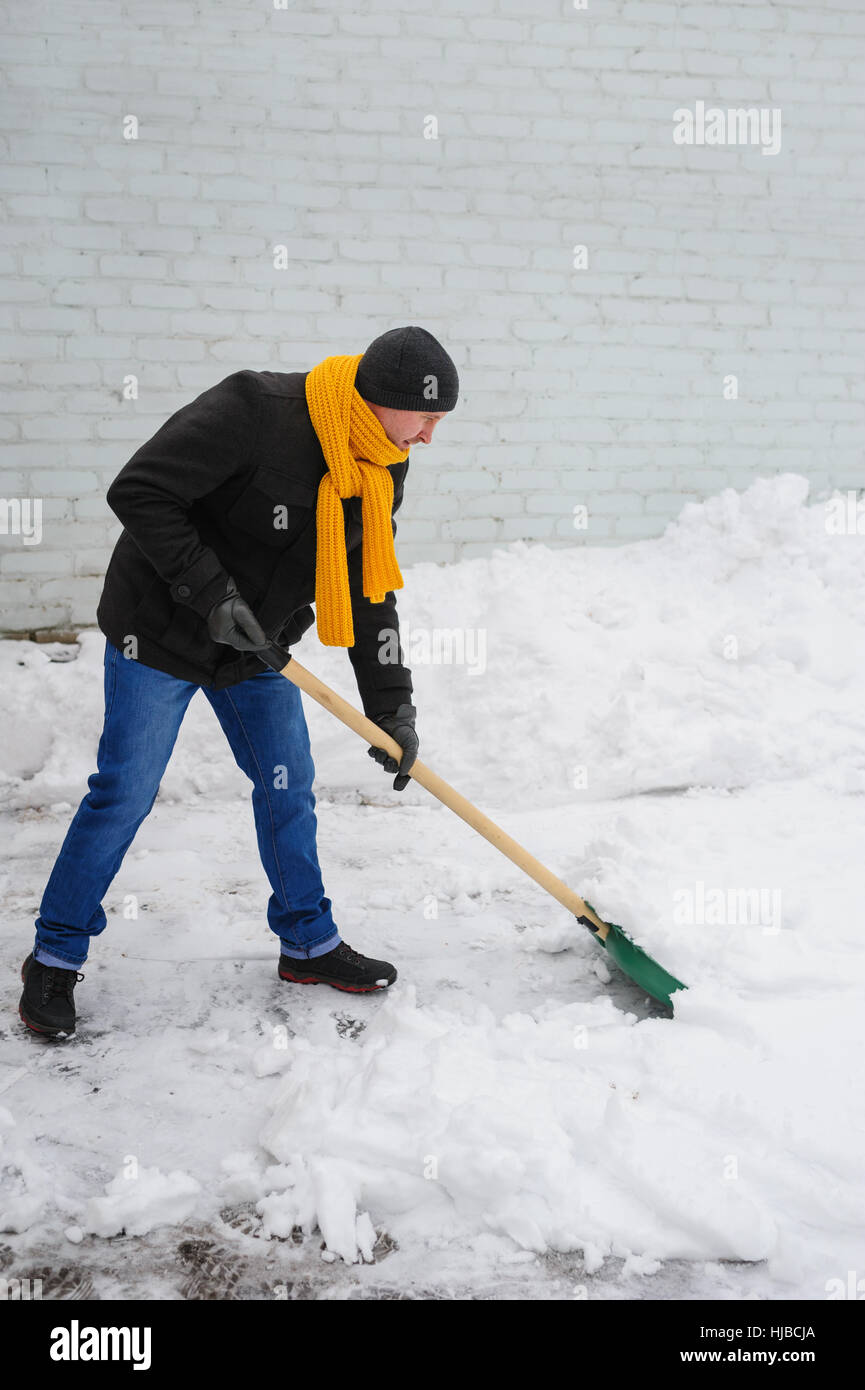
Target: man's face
407,427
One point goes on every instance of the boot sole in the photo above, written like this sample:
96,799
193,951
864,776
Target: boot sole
45,1032
334,984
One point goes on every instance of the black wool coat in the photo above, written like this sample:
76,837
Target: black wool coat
228,486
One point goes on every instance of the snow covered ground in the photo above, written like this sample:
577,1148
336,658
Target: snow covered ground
677,728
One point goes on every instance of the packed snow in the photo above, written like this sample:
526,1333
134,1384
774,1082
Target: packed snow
676,727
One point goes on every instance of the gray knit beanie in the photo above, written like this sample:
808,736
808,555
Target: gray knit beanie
408,369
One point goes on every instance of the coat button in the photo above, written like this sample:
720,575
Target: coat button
183,591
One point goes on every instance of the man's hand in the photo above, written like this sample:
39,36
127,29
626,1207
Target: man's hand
400,726
232,621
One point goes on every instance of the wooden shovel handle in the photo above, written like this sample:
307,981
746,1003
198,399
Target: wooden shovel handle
446,794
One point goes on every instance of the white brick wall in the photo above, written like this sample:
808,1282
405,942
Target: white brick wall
304,127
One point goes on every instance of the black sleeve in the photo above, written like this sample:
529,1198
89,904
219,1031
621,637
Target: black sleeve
383,685
193,453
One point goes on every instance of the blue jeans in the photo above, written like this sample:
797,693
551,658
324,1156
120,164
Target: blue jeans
263,720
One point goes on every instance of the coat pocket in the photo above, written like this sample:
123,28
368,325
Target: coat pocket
172,626
274,507
153,611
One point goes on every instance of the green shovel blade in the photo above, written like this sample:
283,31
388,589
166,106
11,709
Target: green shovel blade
637,964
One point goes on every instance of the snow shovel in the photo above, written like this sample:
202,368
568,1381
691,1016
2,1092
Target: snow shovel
630,958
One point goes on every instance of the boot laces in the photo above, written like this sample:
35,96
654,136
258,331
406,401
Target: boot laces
57,981
352,957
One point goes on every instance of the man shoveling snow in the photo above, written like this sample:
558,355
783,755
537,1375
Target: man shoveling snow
266,492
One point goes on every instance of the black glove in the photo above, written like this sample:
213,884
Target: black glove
400,726
232,621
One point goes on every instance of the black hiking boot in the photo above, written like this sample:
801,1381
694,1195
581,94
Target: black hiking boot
47,1005
342,967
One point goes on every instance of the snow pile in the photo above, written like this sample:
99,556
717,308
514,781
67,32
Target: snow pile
711,657
569,1128
138,1201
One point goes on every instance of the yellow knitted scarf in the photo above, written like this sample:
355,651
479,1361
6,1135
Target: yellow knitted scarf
357,452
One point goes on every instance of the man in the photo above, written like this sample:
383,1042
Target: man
269,490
